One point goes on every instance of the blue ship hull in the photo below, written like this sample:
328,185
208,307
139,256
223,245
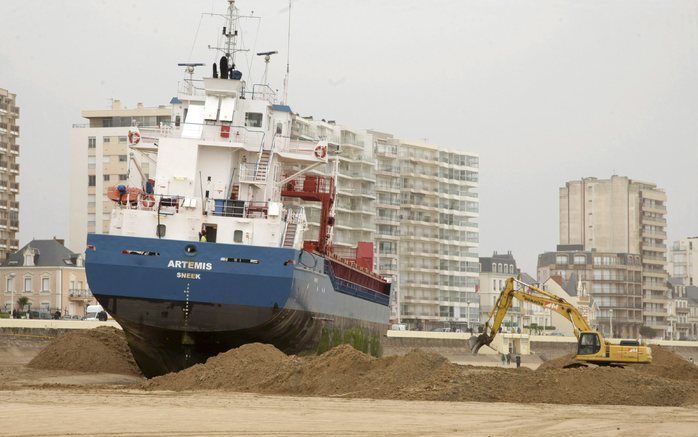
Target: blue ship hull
181,302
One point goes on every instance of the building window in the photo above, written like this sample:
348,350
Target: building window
122,139
10,285
237,236
106,139
123,177
91,142
561,259
45,284
91,180
501,269
122,158
253,119
45,307
28,284
106,178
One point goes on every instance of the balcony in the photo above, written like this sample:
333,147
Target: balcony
80,295
654,313
655,221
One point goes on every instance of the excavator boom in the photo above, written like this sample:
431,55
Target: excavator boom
591,345
526,293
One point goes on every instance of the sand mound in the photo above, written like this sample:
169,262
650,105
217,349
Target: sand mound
668,364
251,367
99,350
665,363
344,371
558,363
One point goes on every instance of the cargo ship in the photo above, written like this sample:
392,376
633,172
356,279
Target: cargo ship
208,254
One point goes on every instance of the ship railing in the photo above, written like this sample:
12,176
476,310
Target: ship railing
191,87
208,131
296,216
263,92
164,203
252,173
348,287
299,146
309,183
239,208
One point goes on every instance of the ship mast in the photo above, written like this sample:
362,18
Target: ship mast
231,36
230,32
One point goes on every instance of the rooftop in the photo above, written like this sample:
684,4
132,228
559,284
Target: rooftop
47,253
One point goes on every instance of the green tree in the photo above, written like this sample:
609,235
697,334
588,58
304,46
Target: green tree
22,302
647,332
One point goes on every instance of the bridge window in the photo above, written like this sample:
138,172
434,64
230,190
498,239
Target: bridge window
253,119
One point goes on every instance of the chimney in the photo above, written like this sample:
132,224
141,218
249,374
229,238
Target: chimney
139,105
116,104
60,241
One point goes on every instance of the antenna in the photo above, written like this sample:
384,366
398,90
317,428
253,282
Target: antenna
288,54
230,32
267,58
189,69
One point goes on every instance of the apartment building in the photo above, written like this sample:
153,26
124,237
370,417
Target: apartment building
9,173
50,276
612,280
437,263
101,158
683,260
622,216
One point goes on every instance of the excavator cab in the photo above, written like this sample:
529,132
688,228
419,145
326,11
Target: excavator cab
589,343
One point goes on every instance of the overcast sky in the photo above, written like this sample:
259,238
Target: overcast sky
543,91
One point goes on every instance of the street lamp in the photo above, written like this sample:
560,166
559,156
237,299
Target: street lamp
610,311
12,294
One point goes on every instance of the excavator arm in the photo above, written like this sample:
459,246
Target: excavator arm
526,293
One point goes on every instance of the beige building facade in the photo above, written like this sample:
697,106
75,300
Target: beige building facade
621,215
9,173
494,272
612,280
428,195
50,276
683,260
101,158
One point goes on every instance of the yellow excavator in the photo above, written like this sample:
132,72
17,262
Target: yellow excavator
591,346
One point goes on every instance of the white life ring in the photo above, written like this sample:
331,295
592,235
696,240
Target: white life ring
320,151
148,201
134,137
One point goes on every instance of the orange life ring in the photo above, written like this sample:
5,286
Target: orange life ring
320,151
148,201
134,137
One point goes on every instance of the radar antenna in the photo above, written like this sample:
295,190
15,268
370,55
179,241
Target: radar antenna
267,58
189,69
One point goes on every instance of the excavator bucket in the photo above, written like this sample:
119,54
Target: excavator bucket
477,342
